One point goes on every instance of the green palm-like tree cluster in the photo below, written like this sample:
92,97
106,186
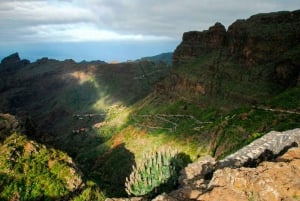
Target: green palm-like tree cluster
157,171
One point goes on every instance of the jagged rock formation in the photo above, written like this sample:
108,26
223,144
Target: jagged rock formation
195,44
272,181
13,62
227,179
264,48
250,40
251,62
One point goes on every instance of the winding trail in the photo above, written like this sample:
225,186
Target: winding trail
278,110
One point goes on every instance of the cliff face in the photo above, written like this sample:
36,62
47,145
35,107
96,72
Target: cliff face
263,37
256,40
194,43
274,180
12,62
254,59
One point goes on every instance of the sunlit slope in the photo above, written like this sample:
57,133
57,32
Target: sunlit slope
32,171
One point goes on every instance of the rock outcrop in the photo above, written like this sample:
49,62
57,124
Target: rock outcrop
13,62
266,45
252,41
196,43
272,181
8,125
265,148
229,179
263,37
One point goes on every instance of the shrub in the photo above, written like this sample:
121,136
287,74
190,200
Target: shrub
157,172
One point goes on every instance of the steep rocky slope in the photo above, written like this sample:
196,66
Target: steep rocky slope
75,107
32,171
227,88
278,179
62,97
250,40
253,59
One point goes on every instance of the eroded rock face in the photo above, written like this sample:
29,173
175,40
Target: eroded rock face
275,180
263,37
259,39
179,84
8,125
11,59
12,62
270,40
272,181
196,43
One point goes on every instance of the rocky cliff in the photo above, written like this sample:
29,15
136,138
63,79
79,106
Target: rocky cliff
276,179
265,48
12,62
252,41
32,171
195,44
227,88
239,71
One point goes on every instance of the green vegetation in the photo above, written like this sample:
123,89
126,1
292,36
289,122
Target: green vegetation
30,171
157,172
34,171
91,192
289,99
107,117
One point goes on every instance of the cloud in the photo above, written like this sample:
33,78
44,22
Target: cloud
104,20
86,32
172,17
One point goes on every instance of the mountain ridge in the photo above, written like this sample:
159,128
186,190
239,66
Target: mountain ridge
224,91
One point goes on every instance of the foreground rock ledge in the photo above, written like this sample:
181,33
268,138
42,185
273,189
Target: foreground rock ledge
229,179
276,180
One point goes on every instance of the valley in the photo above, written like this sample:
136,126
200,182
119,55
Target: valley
225,89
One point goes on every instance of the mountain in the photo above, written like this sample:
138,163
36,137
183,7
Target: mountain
68,103
226,88
12,62
32,171
259,55
163,57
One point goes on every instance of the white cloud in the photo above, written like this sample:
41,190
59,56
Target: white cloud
104,20
84,32
173,17
42,12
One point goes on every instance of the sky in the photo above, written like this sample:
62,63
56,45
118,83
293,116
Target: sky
114,30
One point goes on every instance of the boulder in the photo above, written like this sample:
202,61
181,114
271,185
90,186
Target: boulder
272,181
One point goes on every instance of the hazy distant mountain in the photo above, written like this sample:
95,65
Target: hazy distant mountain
164,57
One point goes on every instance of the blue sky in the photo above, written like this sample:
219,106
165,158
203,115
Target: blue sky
114,29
